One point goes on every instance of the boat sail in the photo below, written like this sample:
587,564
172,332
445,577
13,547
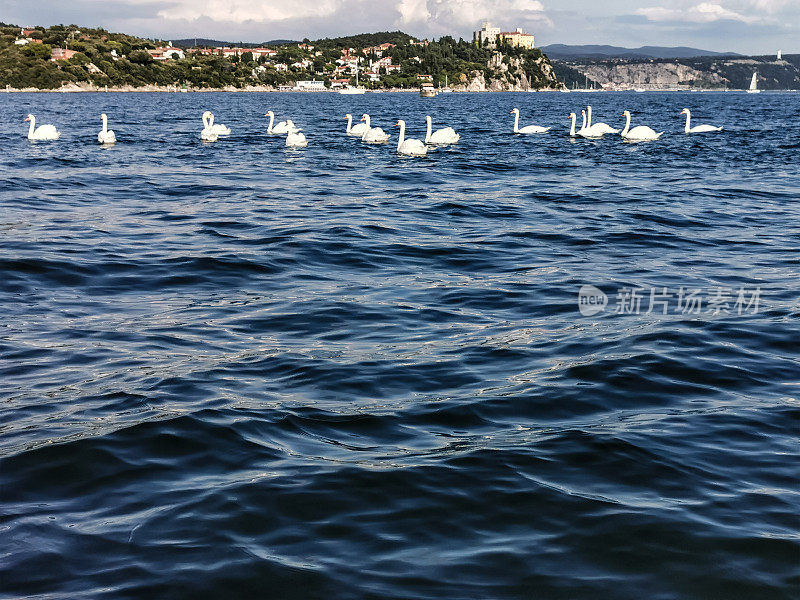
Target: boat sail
350,90
754,85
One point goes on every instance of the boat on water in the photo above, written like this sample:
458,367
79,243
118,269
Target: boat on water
350,90
427,90
753,89
446,89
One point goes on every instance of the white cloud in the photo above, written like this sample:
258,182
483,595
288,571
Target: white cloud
437,16
449,14
241,11
705,12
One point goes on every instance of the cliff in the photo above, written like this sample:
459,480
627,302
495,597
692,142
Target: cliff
687,73
506,73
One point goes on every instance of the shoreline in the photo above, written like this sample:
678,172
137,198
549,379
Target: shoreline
254,88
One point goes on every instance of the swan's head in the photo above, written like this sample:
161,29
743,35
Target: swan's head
29,118
269,114
626,113
364,117
428,119
103,116
571,116
514,110
400,123
206,114
685,111
348,116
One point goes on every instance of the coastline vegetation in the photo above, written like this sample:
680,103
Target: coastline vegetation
102,58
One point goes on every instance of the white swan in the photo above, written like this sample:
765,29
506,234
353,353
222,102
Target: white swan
295,139
604,127
593,132
446,135
529,128
410,147
357,130
572,132
642,133
373,135
106,135
278,128
208,134
696,128
43,132
220,129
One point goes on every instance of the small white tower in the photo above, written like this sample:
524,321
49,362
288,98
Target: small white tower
779,55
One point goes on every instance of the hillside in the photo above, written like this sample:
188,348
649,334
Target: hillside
564,51
71,56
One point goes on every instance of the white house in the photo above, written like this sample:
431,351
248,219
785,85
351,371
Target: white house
487,34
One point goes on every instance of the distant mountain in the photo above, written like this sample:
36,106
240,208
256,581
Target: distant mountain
190,42
564,51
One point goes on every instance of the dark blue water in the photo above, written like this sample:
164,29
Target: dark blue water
233,370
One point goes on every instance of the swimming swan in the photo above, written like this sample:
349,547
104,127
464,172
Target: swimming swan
43,132
278,128
446,135
217,128
697,128
642,133
106,135
208,134
295,139
356,130
410,147
373,135
603,127
529,128
592,132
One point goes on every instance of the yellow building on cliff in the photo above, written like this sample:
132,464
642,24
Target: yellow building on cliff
491,36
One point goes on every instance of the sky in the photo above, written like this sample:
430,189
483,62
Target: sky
745,26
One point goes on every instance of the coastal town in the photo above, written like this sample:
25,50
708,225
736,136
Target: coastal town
493,59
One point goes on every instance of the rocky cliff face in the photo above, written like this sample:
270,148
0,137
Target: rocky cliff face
691,73
653,75
511,74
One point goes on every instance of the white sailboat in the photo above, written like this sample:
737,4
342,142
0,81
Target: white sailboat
446,89
753,85
350,90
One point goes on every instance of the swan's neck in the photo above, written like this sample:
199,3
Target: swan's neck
32,128
105,123
572,128
588,116
583,122
516,122
210,121
627,124
402,137
366,120
688,121
349,123
271,119
428,131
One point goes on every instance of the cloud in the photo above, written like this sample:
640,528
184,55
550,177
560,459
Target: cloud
705,12
472,12
242,11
